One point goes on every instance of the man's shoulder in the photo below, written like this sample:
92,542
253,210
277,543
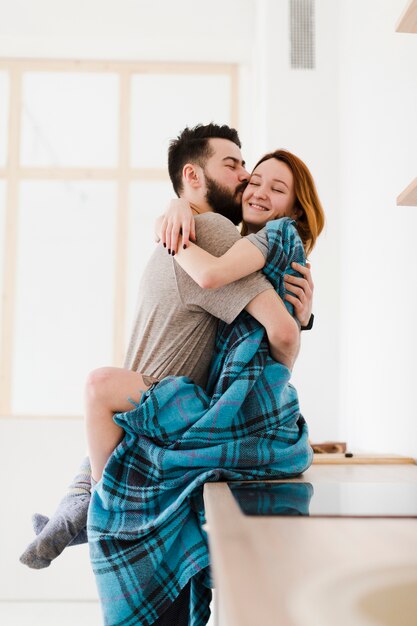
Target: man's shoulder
215,233
212,218
213,223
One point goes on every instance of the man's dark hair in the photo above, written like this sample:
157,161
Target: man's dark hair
192,146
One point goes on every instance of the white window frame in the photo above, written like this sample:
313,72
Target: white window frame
13,174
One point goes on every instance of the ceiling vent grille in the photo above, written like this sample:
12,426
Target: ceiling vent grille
302,32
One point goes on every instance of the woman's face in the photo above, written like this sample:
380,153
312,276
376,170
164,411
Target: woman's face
269,194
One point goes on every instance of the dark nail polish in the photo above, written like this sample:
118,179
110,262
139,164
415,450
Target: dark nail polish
184,246
169,251
164,245
173,253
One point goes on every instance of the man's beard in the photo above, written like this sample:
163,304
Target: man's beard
224,201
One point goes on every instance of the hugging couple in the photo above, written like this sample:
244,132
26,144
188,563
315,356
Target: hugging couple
205,392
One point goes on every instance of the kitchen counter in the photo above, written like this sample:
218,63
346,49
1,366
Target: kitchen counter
314,571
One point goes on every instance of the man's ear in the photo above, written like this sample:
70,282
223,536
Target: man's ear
192,175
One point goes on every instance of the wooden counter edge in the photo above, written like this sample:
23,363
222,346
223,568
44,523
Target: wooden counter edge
362,459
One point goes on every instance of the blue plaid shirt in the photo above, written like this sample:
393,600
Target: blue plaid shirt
146,514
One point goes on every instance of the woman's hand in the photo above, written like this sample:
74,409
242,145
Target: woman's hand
177,219
302,288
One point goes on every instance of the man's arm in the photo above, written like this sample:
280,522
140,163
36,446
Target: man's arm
282,330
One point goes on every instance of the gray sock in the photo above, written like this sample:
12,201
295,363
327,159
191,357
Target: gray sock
64,525
39,522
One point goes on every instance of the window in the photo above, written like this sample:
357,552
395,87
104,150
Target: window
82,178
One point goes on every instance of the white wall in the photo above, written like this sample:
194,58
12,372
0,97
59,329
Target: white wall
378,126
155,30
298,110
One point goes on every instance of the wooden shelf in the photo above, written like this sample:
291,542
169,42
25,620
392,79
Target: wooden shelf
362,459
409,196
408,20
408,24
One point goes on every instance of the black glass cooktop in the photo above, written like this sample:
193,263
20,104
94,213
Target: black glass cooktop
326,499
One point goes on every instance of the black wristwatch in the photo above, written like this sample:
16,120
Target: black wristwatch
309,325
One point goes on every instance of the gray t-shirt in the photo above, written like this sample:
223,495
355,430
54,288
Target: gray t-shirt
260,240
176,320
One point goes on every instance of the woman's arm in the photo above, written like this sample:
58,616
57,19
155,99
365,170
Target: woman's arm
211,272
178,219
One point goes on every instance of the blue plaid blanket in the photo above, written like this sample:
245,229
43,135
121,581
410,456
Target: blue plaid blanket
146,516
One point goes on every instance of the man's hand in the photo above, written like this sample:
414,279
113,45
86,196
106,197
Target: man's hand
178,218
302,288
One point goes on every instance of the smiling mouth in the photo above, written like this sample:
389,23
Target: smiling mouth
257,207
